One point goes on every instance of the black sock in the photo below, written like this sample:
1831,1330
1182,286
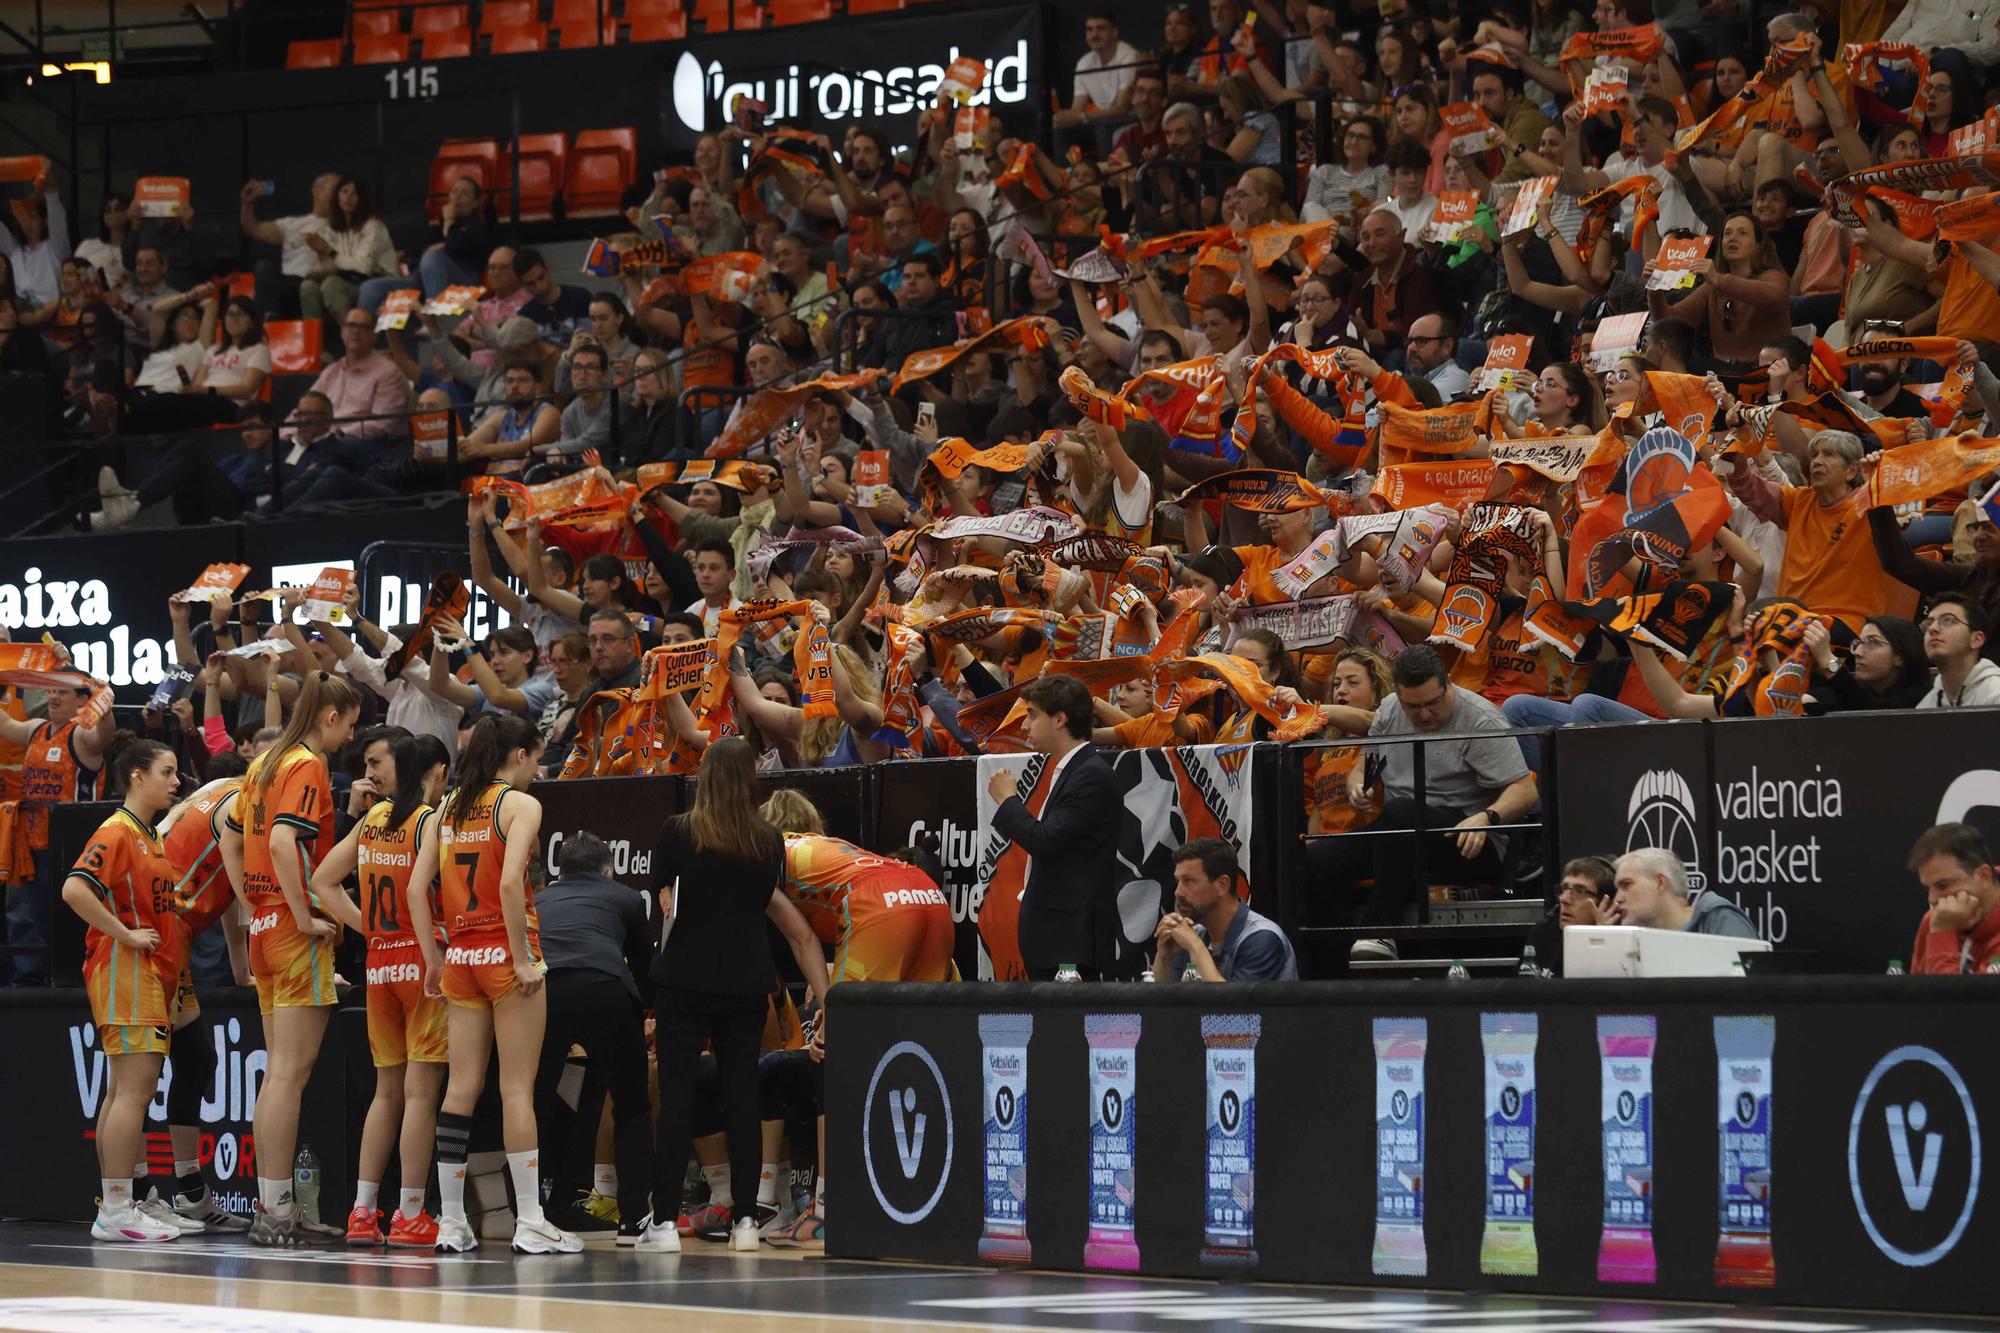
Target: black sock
454,1138
192,1188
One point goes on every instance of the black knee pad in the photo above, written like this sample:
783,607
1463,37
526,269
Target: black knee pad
193,1054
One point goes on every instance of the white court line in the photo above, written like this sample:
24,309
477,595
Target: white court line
404,1262
730,1281
874,1320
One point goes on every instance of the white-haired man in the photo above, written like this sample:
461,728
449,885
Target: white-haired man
1653,891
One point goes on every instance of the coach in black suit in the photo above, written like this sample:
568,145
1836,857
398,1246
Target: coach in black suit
1072,845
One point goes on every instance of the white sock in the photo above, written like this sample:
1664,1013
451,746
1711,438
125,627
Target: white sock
526,1169
605,1179
117,1194
719,1195
275,1195
412,1204
767,1185
451,1191
367,1193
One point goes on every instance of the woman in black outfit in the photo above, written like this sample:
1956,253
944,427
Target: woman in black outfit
1884,668
721,876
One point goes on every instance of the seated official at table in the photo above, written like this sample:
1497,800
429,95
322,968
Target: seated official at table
1961,931
1251,947
1653,891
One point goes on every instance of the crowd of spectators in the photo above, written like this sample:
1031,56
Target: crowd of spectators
1585,379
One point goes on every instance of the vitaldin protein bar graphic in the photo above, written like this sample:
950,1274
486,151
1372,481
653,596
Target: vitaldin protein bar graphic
1508,1243
1114,1111
1625,1050
1399,1146
1229,1229
1743,1116
1004,1038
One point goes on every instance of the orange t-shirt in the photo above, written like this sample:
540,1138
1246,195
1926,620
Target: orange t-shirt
1970,307
1830,562
1258,562
299,796
1511,661
705,366
1152,731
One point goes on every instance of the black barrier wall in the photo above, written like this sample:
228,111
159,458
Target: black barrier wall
1807,824
49,1133
1789,1141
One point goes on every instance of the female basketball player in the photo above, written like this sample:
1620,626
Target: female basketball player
191,835
395,848
282,816
491,973
120,886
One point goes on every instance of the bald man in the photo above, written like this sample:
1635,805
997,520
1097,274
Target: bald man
1432,352
1385,298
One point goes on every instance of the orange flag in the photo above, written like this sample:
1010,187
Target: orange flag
1976,218
1640,44
763,411
1414,485
1450,429
1929,467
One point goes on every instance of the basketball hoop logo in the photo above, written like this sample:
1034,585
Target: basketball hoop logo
1661,814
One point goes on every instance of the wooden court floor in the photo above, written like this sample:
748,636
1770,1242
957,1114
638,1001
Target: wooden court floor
54,1279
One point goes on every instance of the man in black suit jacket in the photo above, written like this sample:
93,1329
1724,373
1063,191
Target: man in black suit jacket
1072,845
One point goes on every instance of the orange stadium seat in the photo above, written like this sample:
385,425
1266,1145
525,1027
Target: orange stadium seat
447,43
478,158
313,55
390,49
497,14
376,22
295,346
577,36
436,18
785,12
660,26
874,6
575,13
602,163
728,15
544,160
528,37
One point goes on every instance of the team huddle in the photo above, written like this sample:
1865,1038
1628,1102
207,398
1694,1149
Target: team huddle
447,865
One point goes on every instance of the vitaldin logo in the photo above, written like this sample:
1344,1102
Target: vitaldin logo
917,1105
1913,1156
704,92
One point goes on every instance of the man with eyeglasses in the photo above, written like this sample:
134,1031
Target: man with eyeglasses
1954,632
363,383
1471,784
1431,351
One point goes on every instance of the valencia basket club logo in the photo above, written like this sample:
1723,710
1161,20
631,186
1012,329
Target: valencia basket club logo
1661,813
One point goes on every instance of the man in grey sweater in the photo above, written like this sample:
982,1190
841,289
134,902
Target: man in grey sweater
586,422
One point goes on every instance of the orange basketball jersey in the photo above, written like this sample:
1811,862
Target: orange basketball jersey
193,845
299,796
385,859
470,853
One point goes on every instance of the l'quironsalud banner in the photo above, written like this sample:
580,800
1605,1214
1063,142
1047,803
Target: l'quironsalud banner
1796,1141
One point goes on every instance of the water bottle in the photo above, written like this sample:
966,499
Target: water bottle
305,1183
1147,975
1457,971
1895,967
1192,973
1068,972
1529,967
